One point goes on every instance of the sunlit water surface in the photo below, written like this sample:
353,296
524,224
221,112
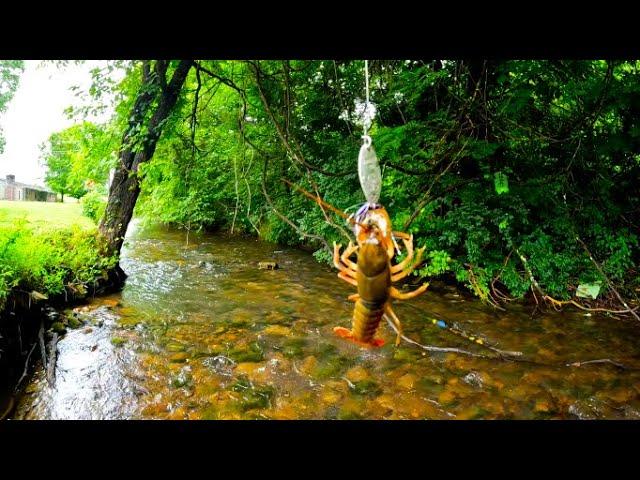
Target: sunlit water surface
200,332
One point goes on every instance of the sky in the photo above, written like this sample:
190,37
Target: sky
36,111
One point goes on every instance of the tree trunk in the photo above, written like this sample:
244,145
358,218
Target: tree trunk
125,186
62,197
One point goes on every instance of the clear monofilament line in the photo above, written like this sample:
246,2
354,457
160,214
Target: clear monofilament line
368,166
366,104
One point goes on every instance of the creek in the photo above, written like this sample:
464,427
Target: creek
200,332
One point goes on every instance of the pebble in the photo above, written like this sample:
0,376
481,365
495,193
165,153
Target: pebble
277,330
330,397
308,365
180,357
446,397
407,381
542,406
357,374
175,347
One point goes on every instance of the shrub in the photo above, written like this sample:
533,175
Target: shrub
93,205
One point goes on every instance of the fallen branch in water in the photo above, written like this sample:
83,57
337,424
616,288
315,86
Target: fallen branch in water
51,365
613,289
26,366
504,353
430,348
43,350
586,309
559,303
601,360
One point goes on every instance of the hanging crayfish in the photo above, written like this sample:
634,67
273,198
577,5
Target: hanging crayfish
373,274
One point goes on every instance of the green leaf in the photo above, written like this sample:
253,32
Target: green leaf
501,183
588,290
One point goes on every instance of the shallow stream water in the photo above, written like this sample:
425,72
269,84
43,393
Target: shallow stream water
200,332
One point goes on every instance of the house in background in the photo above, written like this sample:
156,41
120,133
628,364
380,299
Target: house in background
12,190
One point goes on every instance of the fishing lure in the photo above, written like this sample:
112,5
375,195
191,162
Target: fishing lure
369,171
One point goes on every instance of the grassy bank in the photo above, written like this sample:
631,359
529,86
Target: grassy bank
43,215
47,247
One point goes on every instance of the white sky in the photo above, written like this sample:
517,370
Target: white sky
36,111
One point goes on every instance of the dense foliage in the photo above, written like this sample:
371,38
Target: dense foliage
508,171
93,205
78,159
10,71
49,260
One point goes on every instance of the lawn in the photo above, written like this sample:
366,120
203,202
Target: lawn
43,214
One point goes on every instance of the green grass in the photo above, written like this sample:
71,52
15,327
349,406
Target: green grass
43,215
48,247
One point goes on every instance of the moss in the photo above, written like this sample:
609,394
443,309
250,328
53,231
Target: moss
332,367
401,354
118,341
326,350
294,347
254,353
367,388
431,384
253,396
347,414
175,347
59,328
73,322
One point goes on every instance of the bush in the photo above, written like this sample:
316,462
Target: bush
93,205
46,261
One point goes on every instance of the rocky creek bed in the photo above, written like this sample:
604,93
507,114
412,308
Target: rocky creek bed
200,332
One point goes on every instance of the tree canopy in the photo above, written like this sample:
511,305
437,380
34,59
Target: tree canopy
78,159
10,71
513,174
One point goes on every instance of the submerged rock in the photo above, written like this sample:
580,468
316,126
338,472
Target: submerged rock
183,378
253,396
253,353
175,347
357,374
367,388
477,379
74,322
220,364
180,357
294,347
268,265
407,381
277,330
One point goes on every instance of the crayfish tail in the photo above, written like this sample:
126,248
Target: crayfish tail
347,334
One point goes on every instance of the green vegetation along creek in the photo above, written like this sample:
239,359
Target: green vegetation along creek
517,178
199,332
